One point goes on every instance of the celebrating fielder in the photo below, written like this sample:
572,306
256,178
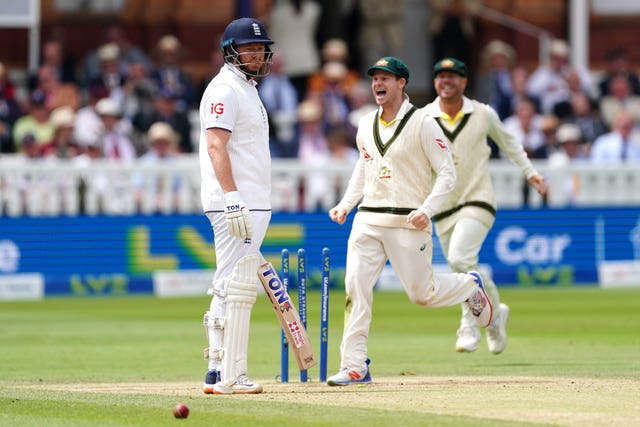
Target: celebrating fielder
401,148
464,218
235,166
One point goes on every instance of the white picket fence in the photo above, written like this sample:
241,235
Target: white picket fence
53,188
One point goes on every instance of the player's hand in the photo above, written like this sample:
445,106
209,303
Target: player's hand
418,219
538,182
238,216
338,215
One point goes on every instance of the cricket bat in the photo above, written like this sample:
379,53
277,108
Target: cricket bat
288,316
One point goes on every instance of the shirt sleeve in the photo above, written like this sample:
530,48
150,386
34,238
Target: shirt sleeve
221,108
508,144
354,191
437,149
355,188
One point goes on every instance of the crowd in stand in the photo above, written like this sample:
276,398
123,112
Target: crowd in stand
104,105
562,113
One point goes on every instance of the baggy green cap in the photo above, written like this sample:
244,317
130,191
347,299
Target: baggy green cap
392,65
450,64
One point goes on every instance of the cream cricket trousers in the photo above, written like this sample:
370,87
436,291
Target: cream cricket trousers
461,246
409,251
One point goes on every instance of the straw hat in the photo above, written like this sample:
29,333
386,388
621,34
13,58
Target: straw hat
568,132
162,131
108,107
559,48
309,111
498,47
169,43
335,50
108,52
62,117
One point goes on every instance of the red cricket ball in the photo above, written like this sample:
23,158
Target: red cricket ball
181,411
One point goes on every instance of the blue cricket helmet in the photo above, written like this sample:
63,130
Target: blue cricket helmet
244,31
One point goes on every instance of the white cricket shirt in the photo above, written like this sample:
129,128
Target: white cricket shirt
231,102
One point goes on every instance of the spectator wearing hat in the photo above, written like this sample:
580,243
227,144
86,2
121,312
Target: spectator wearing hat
63,145
313,151
493,84
312,136
334,95
35,122
570,146
334,51
568,151
168,73
165,109
128,53
157,192
549,81
115,141
110,75
466,216
163,142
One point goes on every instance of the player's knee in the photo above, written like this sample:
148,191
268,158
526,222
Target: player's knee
422,297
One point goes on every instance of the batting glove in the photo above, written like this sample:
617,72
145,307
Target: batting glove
238,216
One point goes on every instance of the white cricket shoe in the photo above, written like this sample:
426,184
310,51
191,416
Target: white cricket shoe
468,339
497,330
242,385
479,303
347,377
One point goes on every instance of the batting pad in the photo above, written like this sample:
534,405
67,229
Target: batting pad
240,295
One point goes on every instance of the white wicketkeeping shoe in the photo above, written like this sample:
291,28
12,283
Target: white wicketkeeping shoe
347,377
468,339
497,330
242,385
479,303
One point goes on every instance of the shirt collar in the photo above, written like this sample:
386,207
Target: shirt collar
467,107
406,106
228,68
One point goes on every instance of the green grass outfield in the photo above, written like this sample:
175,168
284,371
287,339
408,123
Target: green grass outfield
573,359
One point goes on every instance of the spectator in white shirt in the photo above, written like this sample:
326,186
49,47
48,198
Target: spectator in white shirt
549,82
116,143
620,145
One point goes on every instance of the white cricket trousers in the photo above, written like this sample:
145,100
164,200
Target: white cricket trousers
409,252
461,245
228,251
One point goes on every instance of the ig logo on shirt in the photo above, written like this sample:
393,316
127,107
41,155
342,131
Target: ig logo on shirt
217,108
